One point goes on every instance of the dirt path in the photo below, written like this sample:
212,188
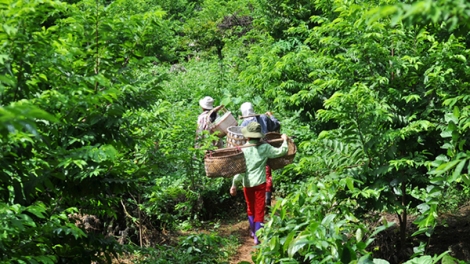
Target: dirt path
246,245
240,229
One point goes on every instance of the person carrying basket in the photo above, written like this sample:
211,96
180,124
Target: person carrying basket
254,179
268,124
206,119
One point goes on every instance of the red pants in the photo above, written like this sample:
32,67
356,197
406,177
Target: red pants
269,179
255,198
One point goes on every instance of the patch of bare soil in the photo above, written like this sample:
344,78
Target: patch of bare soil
241,230
452,234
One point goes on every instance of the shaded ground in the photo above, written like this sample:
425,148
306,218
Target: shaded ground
241,231
452,234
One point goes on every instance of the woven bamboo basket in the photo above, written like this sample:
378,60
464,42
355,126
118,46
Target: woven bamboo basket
222,123
280,162
224,162
235,136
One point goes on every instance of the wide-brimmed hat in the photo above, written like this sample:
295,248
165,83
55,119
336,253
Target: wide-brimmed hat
207,102
252,130
247,109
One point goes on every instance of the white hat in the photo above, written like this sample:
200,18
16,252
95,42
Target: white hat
207,102
247,109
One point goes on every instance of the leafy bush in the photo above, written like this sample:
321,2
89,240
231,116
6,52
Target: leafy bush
200,248
312,225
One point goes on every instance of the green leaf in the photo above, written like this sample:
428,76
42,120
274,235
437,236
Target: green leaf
359,234
37,210
347,254
288,241
350,183
11,31
79,163
420,260
423,207
446,259
444,167
18,224
366,259
48,183
466,178
449,117
274,244
297,244
456,112
382,228
380,261
457,171
6,79
46,259
446,134
328,219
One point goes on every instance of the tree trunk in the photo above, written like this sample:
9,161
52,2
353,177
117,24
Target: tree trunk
403,224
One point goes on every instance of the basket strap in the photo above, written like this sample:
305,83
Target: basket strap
250,145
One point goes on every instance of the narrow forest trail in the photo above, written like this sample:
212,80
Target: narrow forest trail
241,229
244,251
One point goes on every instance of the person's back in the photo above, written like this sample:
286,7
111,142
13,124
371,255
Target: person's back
268,123
253,180
256,158
205,120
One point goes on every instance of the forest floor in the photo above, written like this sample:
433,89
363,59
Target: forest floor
452,234
240,229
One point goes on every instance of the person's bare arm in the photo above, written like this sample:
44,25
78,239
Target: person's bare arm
233,191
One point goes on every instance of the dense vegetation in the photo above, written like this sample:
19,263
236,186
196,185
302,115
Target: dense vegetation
98,109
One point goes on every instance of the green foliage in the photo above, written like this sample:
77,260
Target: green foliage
447,170
279,16
378,92
442,258
92,121
200,248
215,23
445,16
312,225
69,85
31,235
178,190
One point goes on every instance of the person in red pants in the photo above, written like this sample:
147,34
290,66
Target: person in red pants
269,188
254,179
268,123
